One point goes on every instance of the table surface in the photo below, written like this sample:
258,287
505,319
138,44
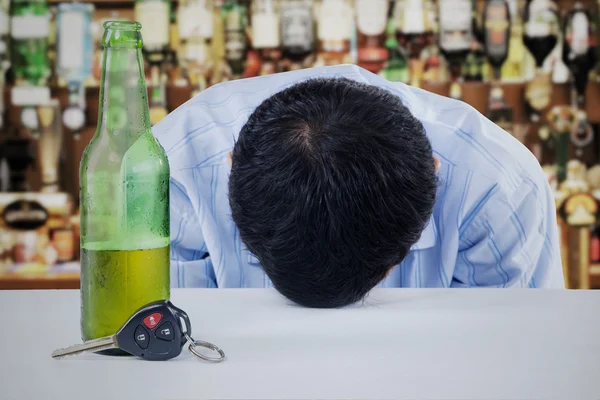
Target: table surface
399,343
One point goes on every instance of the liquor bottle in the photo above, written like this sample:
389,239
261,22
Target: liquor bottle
195,20
124,177
496,36
371,20
456,35
30,27
266,38
236,45
335,26
50,144
416,32
221,71
154,17
540,37
562,120
513,68
4,53
297,33
579,56
75,55
396,67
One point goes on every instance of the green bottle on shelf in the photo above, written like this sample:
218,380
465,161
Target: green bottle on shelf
396,68
124,198
30,29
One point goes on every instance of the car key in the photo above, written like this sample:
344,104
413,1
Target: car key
154,332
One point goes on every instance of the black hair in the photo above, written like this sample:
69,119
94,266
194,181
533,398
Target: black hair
332,182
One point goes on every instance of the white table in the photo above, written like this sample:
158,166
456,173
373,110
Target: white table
479,343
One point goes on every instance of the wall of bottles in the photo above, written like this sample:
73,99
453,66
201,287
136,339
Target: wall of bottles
532,66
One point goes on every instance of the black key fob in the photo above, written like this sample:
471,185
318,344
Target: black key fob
154,332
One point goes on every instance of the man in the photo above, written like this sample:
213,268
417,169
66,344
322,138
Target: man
327,182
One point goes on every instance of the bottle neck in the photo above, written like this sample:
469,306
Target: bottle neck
123,114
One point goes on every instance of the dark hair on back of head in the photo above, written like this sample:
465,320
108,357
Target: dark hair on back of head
332,182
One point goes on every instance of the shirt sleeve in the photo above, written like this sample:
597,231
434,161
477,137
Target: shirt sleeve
512,242
191,265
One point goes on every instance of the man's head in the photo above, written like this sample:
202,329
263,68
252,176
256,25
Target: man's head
332,182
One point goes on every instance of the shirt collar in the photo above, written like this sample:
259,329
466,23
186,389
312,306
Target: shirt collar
428,236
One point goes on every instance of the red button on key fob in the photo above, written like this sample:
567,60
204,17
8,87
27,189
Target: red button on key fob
152,320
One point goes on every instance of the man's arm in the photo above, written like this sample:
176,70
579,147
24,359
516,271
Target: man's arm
512,242
191,265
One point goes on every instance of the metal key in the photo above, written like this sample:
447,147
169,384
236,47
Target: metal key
95,345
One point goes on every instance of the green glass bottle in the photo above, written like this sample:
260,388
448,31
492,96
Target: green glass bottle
235,16
30,25
396,68
124,199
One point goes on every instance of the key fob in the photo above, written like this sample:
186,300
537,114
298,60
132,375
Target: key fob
154,332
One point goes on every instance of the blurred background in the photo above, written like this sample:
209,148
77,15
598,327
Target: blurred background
531,66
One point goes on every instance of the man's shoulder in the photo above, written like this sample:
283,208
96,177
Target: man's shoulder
464,138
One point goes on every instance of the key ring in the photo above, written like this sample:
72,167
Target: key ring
206,345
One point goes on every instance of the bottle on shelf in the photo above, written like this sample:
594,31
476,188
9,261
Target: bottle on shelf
50,145
456,36
221,71
30,28
416,33
124,208
74,58
4,53
496,37
235,16
297,34
513,69
371,20
540,37
396,67
195,20
154,16
579,57
335,30
266,38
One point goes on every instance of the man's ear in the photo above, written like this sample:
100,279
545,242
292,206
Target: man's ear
436,163
229,159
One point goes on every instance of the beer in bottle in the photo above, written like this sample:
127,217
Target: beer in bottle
124,197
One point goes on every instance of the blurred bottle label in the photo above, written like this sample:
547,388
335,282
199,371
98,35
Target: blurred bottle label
297,28
414,17
371,16
3,22
154,17
578,38
71,46
540,20
335,21
30,26
455,25
265,30
195,20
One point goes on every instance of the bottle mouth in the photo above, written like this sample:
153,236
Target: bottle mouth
122,34
123,26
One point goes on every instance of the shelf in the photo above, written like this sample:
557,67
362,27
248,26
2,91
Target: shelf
39,281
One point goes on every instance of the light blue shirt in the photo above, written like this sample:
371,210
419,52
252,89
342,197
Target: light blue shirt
493,224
